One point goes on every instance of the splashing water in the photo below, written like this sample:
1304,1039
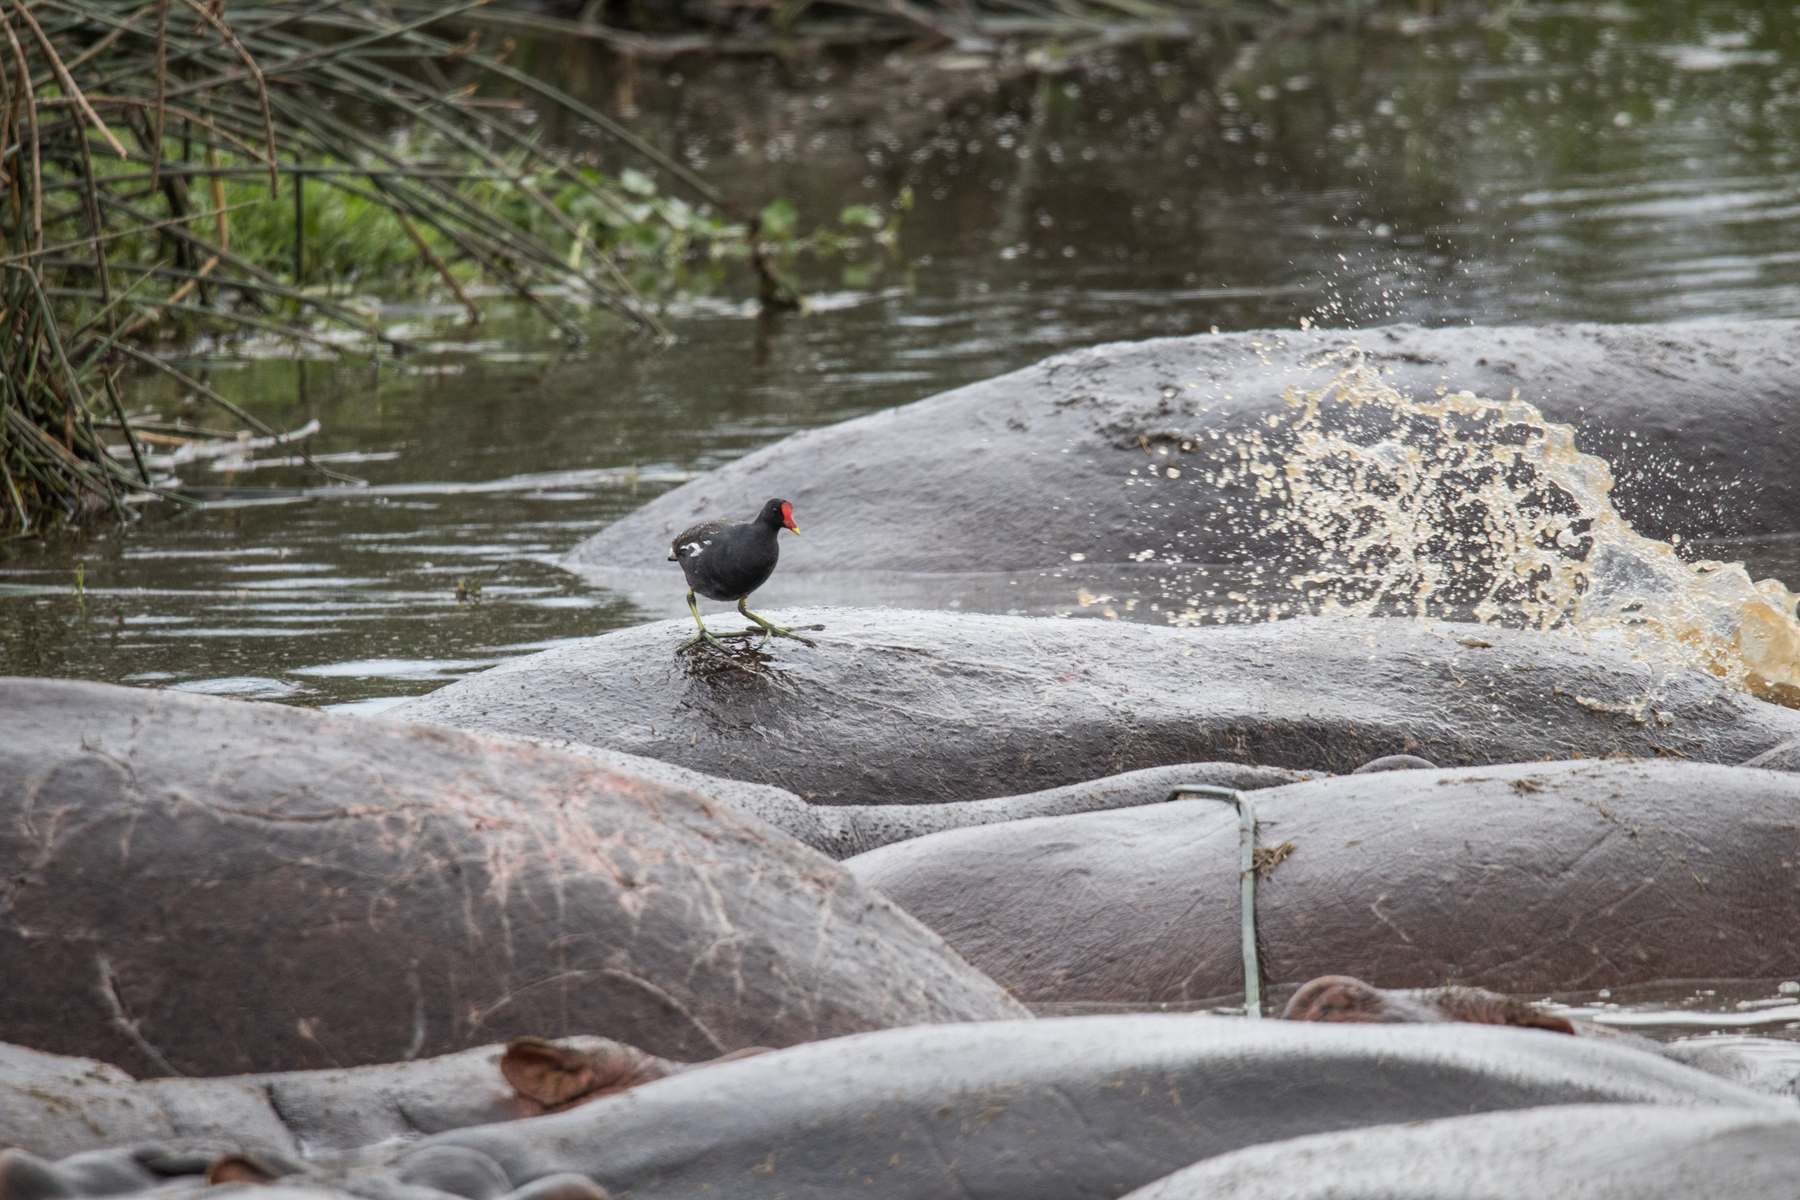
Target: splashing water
1371,502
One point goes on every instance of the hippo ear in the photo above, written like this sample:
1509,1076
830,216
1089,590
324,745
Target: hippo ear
1336,998
547,1073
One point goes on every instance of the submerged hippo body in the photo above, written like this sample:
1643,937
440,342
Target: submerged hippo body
847,829
919,707
200,886
53,1106
163,1168
841,830
1054,1108
1009,1110
1063,460
1762,1064
1525,879
1574,1152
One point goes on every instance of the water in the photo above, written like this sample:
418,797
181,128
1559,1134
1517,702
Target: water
1573,162
1564,163
1455,507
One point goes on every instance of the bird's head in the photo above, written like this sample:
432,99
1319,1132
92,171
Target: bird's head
778,514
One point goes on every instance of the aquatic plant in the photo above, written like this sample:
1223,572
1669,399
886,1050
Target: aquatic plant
168,169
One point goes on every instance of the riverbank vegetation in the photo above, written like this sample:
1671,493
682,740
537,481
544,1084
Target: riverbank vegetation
1054,29
171,170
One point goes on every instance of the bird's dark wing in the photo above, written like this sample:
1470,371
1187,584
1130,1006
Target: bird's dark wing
690,541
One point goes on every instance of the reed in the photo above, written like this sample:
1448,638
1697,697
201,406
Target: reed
758,27
168,168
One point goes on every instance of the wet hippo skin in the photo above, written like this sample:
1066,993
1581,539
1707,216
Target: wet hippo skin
52,1105
841,830
1528,878
1346,1000
203,886
907,707
1008,1110
1577,1152
1055,1108
1697,421
992,1110
152,1168
1762,1064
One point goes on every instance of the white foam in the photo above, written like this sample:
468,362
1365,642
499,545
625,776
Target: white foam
1464,508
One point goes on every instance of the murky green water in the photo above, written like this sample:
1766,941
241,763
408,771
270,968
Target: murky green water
1573,162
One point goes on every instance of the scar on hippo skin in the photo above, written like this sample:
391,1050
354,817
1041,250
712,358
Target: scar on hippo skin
1345,999
556,1077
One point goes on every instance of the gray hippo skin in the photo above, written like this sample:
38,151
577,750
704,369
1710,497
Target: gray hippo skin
1347,1000
165,1169
1056,1109
1572,1152
1007,1110
907,707
53,1106
1762,1064
849,829
1526,879
841,830
1697,420
211,887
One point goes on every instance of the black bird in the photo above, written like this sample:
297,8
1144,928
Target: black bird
725,560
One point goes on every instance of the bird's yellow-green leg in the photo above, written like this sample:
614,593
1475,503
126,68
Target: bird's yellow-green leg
705,634
770,629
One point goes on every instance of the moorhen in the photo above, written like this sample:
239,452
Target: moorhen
725,560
